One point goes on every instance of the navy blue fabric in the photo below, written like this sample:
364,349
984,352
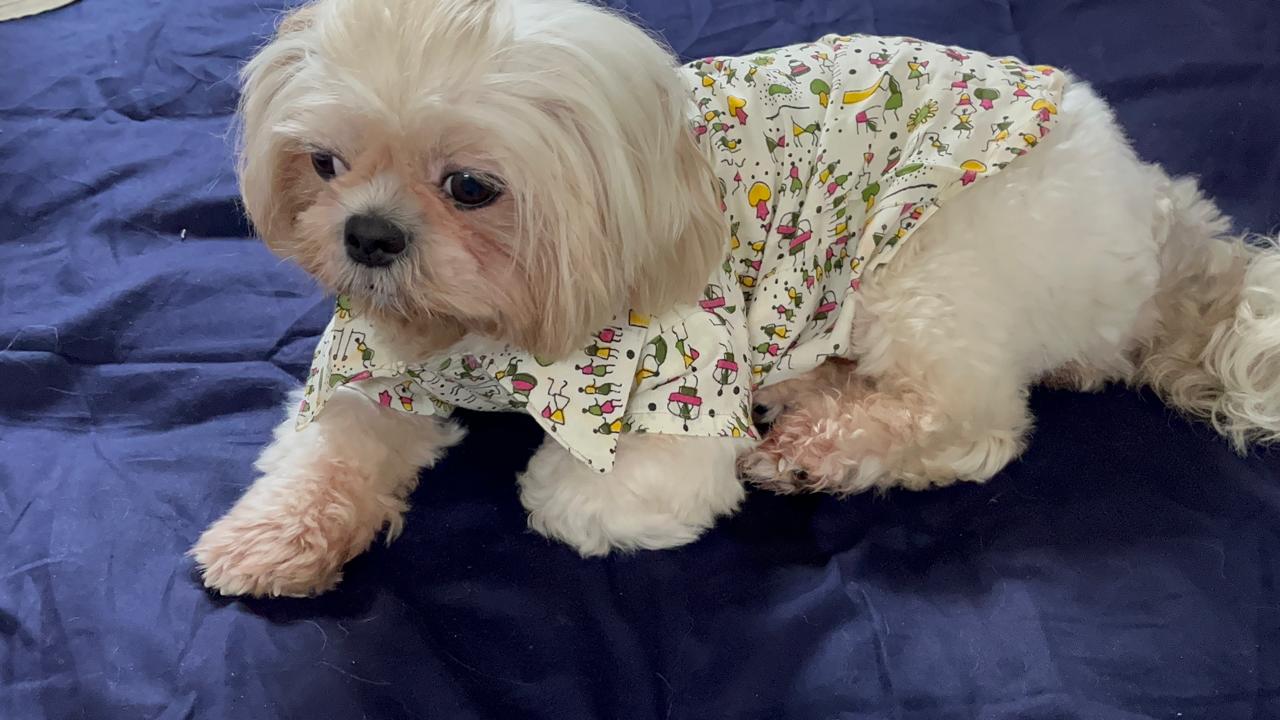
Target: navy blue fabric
1125,568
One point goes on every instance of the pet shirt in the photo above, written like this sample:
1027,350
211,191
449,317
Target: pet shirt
828,156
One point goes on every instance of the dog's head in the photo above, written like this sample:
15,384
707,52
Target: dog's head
522,169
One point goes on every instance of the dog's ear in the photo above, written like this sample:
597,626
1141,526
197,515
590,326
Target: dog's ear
656,187
264,164
297,19
620,200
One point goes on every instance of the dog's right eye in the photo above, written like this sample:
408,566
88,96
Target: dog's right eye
469,190
327,165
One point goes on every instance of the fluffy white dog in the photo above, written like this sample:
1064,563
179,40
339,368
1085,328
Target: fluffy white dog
518,174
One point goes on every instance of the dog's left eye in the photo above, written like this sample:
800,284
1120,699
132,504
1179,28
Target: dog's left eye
327,165
468,190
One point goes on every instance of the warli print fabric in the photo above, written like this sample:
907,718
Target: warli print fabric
828,155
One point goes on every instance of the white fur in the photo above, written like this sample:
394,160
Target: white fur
1050,262
1078,264
642,503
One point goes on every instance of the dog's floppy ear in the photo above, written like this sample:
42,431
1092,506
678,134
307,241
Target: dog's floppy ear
263,158
620,198
299,18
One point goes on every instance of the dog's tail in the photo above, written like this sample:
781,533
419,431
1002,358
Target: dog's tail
1215,352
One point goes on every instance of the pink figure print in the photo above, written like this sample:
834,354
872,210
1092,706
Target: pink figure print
684,403
592,369
863,119
798,242
827,306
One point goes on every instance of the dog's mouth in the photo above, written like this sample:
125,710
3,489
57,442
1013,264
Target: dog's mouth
378,287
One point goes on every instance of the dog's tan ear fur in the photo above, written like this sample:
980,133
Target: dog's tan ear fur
300,18
618,202
264,164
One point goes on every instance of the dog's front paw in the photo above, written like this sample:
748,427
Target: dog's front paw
662,493
287,537
594,528
264,559
594,516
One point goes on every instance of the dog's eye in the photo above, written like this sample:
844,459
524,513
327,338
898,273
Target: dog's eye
469,191
328,166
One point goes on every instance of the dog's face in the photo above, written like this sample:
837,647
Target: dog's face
522,169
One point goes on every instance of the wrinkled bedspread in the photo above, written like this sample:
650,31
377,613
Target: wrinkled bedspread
1127,567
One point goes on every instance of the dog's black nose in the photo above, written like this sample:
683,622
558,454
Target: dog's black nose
374,241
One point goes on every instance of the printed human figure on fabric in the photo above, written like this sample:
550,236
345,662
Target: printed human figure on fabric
828,156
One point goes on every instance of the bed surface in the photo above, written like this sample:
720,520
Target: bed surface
1127,567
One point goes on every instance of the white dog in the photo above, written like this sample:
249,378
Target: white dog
492,184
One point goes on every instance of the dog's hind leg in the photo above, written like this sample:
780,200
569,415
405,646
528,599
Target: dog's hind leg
918,425
1052,263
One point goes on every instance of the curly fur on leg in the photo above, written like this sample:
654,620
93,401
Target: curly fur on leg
325,493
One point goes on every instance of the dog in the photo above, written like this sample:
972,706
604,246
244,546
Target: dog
529,205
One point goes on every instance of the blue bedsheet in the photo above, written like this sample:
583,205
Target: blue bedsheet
1126,568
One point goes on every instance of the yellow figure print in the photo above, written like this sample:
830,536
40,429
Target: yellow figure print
637,319
853,97
554,410
758,197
